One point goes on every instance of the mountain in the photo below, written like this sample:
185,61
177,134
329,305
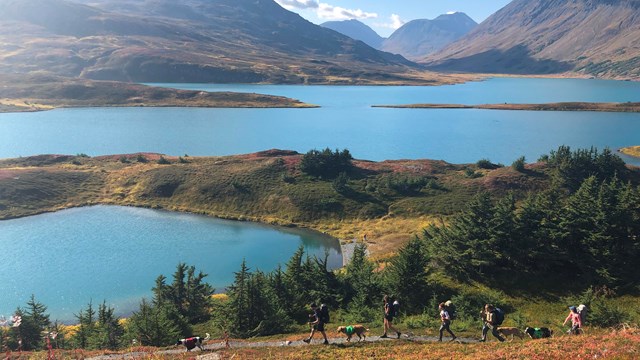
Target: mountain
183,41
418,38
596,37
356,30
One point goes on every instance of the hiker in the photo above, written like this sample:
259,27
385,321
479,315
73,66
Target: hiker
576,321
445,318
320,318
490,322
390,311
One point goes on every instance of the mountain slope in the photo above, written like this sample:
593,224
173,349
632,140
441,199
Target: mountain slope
597,37
356,30
182,40
419,38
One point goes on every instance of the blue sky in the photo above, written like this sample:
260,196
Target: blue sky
384,16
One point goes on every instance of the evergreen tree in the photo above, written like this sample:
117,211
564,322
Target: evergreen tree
35,322
238,305
360,280
108,331
188,295
502,227
152,326
86,327
295,286
326,163
407,276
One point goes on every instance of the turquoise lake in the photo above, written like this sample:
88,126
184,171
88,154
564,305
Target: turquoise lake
115,253
345,120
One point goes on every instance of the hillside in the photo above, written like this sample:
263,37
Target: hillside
356,30
593,37
186,41
418,38
391,200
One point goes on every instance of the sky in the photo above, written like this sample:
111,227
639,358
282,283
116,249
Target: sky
384,16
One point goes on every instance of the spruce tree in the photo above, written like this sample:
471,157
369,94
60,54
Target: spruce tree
407,276
86,327
152,326
35,322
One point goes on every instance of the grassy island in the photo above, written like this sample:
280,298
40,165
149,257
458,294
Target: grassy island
561,106
36,93
631,151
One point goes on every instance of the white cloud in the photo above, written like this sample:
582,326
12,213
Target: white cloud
298,4
327,11
395,22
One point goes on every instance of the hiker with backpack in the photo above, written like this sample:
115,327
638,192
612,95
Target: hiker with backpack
390,311
576,321
320,317
445,319
492,317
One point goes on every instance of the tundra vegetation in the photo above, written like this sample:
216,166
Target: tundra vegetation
564,232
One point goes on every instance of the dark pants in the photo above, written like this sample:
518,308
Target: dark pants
445,326
494,330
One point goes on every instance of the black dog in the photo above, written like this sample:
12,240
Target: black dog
192,342
538,333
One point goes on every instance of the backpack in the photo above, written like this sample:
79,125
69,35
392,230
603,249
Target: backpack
395,308
451,309
324,313
582,311
498,317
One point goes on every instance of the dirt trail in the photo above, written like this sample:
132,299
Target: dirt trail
212,345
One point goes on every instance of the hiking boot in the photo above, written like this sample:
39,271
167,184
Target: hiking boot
326,342
481,340
399,334
453,338
307,340
384,336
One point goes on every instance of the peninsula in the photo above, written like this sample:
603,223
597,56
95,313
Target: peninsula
37,93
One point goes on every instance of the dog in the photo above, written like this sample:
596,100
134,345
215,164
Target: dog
353,329
539,333
192,342
505,331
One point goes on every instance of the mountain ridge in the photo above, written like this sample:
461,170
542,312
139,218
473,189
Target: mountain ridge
356,30
593,37
421,37
185,41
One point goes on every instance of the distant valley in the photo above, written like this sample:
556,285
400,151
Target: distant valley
413,40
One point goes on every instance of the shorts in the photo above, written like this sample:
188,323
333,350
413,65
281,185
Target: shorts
319,326
389,318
